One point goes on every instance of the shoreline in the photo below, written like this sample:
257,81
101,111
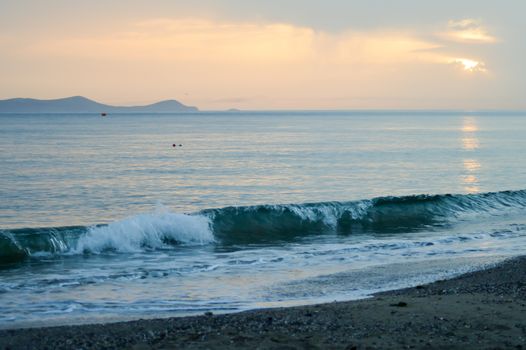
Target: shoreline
481,309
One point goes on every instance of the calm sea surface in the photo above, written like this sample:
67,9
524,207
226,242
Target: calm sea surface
104,219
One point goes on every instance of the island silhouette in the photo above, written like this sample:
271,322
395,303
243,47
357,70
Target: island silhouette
80,104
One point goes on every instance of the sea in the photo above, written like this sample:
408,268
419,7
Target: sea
136,216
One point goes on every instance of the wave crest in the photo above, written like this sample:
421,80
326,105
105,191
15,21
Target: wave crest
259,224
155,230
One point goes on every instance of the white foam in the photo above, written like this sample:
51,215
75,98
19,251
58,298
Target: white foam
150,230
330,213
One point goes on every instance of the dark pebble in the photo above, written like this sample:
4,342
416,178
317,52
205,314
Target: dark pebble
400,304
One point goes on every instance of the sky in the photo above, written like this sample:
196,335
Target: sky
248,54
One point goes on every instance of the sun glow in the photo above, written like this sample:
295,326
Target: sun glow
469,125
218,63
472,166
470,65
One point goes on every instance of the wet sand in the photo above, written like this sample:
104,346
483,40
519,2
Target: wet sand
480,310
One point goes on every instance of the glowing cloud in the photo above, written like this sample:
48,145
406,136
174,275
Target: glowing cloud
469,65
468,31
199,40
255,64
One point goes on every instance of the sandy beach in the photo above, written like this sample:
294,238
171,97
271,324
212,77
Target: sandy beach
479,310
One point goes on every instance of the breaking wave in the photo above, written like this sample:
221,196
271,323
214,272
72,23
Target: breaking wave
257,224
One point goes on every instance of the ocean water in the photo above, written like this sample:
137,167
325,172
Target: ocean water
103,219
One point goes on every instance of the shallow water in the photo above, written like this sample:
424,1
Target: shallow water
103,219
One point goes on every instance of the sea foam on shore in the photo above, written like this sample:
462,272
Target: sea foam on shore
479,310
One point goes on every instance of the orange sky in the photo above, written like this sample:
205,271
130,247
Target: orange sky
205,57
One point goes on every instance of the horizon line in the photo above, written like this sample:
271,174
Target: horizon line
236,109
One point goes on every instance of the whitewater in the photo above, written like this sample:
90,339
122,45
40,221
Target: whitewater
102,220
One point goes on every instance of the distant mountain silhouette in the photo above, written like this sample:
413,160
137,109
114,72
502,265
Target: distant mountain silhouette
79,104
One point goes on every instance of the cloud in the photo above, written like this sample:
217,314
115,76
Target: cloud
469,31
469,65
277,65
200,41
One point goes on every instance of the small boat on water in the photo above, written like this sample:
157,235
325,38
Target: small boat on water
103,114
